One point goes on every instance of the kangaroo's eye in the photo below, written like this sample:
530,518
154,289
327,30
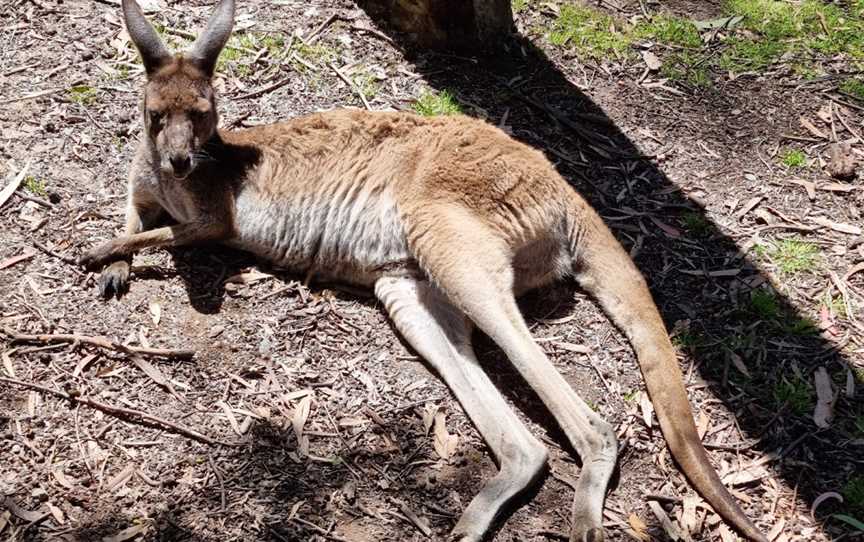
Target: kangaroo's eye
155,118
197,115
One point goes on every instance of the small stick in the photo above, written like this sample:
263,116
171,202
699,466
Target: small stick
122,412
66,259
351,85
101,342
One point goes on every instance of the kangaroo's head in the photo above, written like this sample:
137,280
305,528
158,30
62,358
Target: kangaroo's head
179,103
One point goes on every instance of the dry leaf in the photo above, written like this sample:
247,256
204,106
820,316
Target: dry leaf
429,416
82,364
294,508
726,535
7,192
838,226
61,477
824,410
671,529
248,278
445,443
7,362
155,312
639,528
56,513
301,414
739,363
702,424
232,419
651,61
20,513
749,206
126,534
9,262
647,409
667,229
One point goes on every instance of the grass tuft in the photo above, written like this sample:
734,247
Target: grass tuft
853,87
794,158
591,33
34,186
853,495
83,94
763,303
794,256
430,104
669,30
795,394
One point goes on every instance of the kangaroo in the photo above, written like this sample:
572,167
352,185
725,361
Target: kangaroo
447,219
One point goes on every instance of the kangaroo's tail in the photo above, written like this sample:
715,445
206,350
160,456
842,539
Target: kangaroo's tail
605,270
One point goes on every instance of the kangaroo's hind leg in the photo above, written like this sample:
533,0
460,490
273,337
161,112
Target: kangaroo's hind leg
442,335
476,275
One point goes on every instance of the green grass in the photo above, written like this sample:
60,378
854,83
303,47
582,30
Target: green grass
837,306
430,104
795,394
802,327
794,256
802,33
518,6
242,49
696,224
688,339
859,425
853,87
34,186
794,158
853,495
763,303
366,83
669,30
83,94
743,54
589,32
687,67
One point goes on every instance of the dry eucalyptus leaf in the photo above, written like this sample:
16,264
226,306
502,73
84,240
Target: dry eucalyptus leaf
824,411
445,443
155,312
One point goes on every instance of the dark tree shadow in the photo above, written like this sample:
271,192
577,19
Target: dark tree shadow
715,317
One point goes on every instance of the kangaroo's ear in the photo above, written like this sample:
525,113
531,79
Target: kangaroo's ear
206,49
153,51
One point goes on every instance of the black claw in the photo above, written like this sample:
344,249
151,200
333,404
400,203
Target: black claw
112,284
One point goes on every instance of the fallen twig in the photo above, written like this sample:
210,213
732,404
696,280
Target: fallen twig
101,342
66,259
121,412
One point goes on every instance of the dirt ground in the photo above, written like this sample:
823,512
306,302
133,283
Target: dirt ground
318,416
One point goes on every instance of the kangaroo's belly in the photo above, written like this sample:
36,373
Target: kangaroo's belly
351,234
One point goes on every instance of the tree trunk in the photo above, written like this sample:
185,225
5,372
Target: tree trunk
446,24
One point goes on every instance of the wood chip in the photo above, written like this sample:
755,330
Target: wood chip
570,347
119,479
7,362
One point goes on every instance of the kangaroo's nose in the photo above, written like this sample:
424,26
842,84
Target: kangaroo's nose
181,164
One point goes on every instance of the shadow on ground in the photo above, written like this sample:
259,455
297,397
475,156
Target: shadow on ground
717,319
